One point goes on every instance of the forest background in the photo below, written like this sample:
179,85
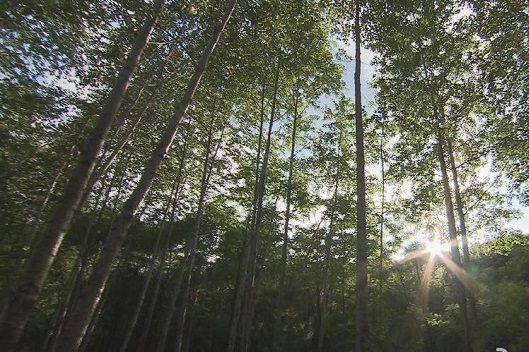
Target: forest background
189,176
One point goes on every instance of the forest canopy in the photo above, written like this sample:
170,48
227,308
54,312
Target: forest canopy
209,176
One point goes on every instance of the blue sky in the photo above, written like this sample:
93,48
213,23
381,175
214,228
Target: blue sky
368,93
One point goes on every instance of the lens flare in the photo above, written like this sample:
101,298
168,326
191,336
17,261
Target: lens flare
434,248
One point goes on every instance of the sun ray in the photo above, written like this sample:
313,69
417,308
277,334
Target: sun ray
412,255
424,291
460,273
436,250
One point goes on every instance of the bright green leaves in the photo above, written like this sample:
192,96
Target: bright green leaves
501,267
503,28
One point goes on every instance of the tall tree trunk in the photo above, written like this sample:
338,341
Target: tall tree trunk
23,299
33,228
73,282
361,227
107,162
157,285
78,271
459,203
44,202
209,161
452,231
278,326
157,248
104,162
473,321
246,316
182,271
382,209
324,302
139,304
74,332
243,264
96,316
159,274
168,315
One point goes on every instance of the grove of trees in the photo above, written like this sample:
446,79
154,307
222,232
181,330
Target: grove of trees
195,176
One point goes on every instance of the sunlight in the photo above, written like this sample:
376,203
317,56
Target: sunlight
436,248
461,275
424,290
433,250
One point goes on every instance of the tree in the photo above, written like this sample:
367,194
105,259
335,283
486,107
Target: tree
19,307
501,61
78,323
284,249
434,73
361,218
265,212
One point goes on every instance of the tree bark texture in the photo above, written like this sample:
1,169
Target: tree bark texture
25,295
73,333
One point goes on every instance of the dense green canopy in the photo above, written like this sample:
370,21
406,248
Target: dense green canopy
244,236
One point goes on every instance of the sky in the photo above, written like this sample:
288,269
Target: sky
368,94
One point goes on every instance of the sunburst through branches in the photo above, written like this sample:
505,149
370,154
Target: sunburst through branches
435,252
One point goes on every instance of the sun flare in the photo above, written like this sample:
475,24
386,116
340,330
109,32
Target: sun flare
435,248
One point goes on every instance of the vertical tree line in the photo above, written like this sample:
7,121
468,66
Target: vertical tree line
194,177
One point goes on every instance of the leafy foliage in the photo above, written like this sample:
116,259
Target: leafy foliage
447,71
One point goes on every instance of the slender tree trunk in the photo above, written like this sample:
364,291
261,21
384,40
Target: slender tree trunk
38,265
74,332
75,274
209,161
49,191
157,285
96,316
324,303
159,274
78,271
168,315
182,272
278,327
242,300
255,227
33,229
107,163
157,247
459,203
245,269
139,304
243,265
382,209
473,321
452,231
178,275
361,230
324,300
